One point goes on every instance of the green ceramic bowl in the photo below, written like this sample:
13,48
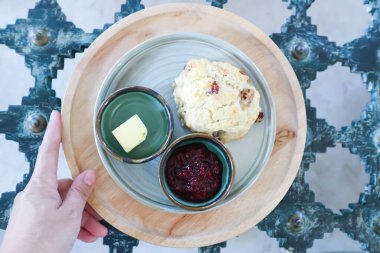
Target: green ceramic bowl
213,145
152,110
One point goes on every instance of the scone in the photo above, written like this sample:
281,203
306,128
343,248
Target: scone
216,98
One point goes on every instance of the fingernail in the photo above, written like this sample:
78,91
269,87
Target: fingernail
89,177
105,232
53,115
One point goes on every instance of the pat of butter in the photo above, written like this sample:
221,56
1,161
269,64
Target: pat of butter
131,133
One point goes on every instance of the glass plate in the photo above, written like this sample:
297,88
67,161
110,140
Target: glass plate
156,63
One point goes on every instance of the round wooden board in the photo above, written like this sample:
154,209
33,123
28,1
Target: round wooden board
159,227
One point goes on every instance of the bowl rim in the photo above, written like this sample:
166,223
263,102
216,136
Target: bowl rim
226,190
116,94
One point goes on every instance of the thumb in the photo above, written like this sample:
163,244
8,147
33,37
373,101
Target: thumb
80,190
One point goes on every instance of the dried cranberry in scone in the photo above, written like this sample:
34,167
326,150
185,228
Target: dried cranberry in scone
218,134
187,67
214,88
246,96
260,117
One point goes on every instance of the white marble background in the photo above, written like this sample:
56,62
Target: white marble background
337,177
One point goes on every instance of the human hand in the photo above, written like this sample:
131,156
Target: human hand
48,215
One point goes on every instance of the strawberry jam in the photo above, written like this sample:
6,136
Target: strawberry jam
194,173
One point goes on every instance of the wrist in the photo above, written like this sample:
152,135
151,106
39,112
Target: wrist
16,247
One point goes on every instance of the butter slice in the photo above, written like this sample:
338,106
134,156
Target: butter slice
131,133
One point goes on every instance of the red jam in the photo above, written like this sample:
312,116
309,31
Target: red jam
194,173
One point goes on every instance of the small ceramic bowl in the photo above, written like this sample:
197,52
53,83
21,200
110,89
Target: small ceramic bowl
154,112
224,156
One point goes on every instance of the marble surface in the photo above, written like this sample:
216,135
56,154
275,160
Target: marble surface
338,94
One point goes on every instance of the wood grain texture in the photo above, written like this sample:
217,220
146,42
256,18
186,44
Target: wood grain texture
159,227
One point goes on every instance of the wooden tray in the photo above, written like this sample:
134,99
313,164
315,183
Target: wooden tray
159,227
